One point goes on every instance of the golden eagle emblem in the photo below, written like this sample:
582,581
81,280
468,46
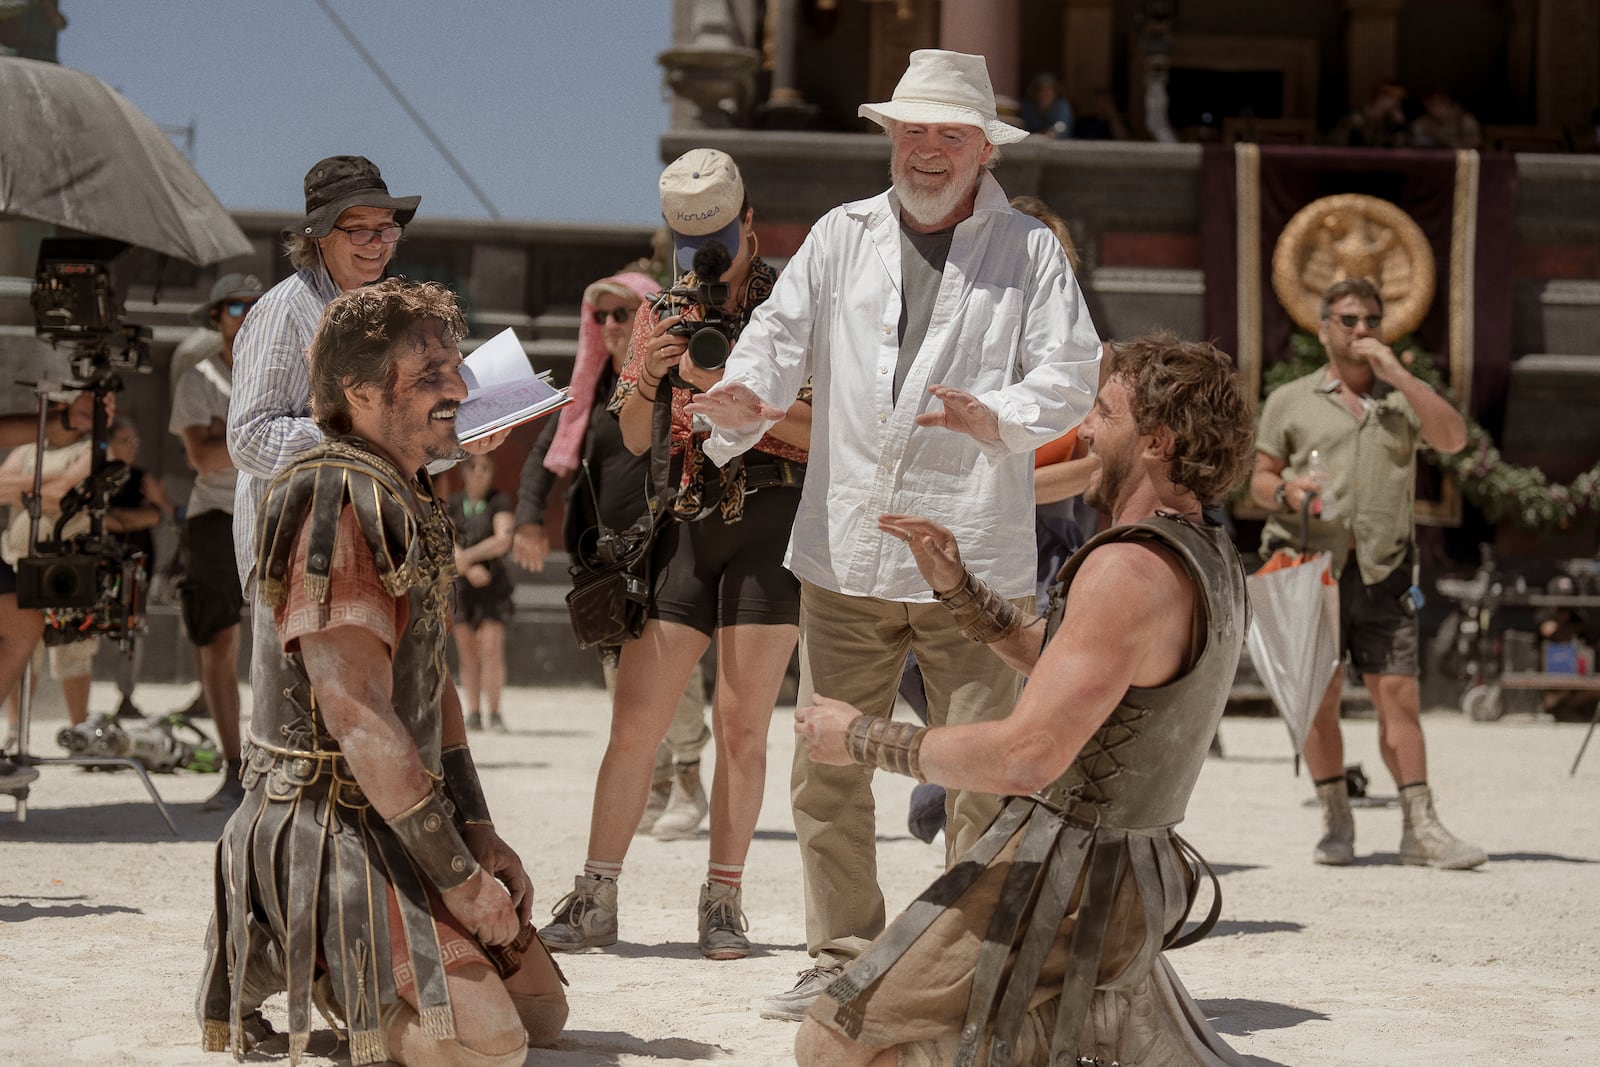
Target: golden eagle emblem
1354,236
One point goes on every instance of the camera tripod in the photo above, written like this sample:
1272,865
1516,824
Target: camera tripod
99,385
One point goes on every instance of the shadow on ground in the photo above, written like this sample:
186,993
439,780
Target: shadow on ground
121,822
39,907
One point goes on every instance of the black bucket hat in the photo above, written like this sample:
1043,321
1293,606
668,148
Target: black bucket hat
341,182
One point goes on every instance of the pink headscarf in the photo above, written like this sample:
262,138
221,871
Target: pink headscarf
562,458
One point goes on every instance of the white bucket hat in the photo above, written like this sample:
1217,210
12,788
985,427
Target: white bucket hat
941,86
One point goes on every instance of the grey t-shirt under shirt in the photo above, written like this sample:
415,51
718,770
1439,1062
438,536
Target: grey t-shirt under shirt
202,395
922,258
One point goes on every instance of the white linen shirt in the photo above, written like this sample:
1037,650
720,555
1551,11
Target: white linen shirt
269,416
1009,326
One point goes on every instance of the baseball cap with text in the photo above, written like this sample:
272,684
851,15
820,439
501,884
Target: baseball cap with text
701,194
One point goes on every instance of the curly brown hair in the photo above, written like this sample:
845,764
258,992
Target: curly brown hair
1191,388
360,330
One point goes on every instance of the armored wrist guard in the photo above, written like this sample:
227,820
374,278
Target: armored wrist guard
982,614
461,779
433,843
876,741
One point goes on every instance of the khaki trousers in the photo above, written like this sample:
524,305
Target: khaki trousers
853,649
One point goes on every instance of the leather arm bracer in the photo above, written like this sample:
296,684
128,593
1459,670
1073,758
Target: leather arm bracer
461,779
431,839
877,741
982,614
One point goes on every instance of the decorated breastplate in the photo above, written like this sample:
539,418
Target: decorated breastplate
1136,772
408,531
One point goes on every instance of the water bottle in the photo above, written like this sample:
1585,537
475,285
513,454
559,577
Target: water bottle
1317,470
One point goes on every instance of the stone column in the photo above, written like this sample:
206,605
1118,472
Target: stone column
1567,61
1085,49
1370,45
716,69
785,108
989,28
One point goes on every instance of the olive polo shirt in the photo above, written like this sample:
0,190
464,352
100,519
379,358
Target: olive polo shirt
1372,462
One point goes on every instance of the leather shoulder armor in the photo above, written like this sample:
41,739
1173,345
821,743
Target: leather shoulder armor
393,521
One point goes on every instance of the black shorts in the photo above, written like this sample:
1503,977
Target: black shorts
1380,635
489,603
713,574
209,592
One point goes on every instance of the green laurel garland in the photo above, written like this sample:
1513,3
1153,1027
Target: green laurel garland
1501,490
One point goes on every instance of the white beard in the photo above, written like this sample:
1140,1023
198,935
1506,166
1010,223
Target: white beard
929,207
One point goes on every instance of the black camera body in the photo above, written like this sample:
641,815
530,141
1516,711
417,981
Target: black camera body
75,302
84,594
710,336
64,581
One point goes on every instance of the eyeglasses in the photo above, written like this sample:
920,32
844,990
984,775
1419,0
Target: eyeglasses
1349,321
237,308
360,238
615,315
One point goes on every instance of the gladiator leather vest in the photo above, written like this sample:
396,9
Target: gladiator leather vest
408,530
1137,771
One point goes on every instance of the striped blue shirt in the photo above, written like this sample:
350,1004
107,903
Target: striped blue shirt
269,417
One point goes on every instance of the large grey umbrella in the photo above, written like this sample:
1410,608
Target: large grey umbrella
74,152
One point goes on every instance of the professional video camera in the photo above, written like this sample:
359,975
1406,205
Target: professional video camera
86,580
710,336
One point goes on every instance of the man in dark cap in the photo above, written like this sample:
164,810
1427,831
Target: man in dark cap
211,594
346,240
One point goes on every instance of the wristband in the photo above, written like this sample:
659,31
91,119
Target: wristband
877,741
982,614
430,838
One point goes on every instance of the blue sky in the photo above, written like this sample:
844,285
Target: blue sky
554,107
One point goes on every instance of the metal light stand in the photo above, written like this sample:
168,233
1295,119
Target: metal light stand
22,757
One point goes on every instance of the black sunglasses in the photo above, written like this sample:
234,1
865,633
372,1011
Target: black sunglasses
360,238
1349,321
237,308
615,315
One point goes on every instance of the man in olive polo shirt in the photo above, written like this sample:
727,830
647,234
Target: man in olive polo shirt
1364,416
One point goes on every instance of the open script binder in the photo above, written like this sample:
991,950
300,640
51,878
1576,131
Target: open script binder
502,389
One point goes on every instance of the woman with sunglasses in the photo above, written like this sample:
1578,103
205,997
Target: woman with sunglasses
720,570
608,489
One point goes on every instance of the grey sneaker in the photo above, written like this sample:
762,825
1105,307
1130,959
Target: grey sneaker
793,1005
722,923
686,809
497,724
660,793
585,917
474,720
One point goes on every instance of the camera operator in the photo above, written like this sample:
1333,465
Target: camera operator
21,628
67,461
720,575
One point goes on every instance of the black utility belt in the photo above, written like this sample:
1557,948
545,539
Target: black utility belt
773,473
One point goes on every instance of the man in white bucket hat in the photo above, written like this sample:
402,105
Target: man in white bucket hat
946,339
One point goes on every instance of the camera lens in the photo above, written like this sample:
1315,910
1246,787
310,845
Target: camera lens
708,349
63,582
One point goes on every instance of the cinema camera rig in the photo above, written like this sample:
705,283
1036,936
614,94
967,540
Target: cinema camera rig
87,583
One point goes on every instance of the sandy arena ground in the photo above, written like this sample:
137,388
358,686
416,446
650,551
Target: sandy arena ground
102,910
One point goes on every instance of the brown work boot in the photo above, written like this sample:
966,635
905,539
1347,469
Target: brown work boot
1424,842
687,808
660,793
1338,845
722,923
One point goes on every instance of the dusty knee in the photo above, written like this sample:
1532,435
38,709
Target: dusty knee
411,1046
543,1016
